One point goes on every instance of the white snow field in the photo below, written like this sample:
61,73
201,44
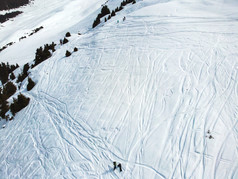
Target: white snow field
147,92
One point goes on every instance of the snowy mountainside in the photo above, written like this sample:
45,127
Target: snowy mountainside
57,17
156,93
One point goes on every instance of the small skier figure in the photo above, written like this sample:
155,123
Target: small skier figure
115,165
211,137
119,165
124,18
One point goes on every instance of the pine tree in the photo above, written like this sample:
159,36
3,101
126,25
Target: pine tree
96,22
113,13
104,11
75,49
67,34
67,54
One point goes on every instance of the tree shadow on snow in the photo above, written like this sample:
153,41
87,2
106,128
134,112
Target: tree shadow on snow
110,170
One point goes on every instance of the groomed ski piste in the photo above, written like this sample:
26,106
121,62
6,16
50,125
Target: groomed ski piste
157,92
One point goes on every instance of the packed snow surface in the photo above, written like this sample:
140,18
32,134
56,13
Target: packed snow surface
157,93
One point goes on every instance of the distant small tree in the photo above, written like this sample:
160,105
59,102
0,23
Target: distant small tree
105,20
67,34
65,41
75,49
113,13
120,8
123,3
52,46
67,54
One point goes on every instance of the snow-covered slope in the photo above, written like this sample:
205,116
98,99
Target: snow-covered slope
57,17
147,92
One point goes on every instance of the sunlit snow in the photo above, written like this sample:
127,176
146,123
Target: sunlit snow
147,92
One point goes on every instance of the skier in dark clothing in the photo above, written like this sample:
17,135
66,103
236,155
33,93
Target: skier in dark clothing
119,165
115,165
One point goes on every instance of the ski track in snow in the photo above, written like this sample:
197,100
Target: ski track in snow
143,92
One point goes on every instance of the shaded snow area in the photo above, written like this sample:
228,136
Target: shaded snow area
157,93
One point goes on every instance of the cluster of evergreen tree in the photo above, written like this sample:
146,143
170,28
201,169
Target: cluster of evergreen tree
19,103
23,37
24,73
8,90
3,48
7,16
43,53
36,30
64,41
68,53
5,70
7,45
104,11
11,4
125,2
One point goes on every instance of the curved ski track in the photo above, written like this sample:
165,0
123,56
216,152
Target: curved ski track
143,92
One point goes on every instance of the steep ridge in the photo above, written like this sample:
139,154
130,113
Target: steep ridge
156,92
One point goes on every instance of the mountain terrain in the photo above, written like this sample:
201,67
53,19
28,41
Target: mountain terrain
154,88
